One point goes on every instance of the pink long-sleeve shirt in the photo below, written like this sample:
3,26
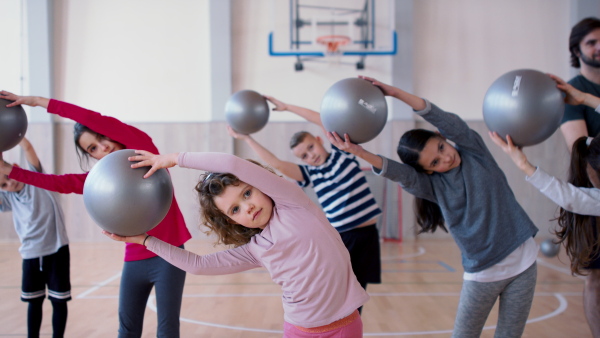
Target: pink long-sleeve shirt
302,252
171,229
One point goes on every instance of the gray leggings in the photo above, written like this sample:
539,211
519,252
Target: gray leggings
477,300
137,280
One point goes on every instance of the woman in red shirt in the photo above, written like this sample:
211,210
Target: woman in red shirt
97,136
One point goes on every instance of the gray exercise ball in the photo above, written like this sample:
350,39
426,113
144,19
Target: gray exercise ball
549,248
247,112
121,201
524,104
355,107
13,125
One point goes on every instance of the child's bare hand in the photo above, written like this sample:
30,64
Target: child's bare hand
515,152
137,239
279,106
155,162
17,100
343,144
385,88
235,134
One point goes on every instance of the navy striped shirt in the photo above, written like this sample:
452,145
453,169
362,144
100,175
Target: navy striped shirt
342,190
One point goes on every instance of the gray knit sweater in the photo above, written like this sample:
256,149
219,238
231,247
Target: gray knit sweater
479,208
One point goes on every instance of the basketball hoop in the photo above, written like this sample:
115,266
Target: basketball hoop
333,42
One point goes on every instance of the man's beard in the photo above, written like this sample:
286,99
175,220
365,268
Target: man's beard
589,61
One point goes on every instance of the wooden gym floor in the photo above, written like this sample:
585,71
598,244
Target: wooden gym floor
418,296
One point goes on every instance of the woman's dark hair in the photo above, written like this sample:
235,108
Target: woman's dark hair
228,232
578,32
429,214
82,155
577,232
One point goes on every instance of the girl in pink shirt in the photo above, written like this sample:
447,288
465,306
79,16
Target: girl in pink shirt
273,224
97,136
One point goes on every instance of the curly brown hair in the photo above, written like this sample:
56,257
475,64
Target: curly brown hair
227,231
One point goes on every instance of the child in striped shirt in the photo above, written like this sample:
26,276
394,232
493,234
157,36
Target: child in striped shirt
341,188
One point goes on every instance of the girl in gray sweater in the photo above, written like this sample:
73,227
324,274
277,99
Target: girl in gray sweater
461,189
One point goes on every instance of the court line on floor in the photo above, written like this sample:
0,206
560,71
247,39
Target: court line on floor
97,286
420,252
151,305
563,304
557,268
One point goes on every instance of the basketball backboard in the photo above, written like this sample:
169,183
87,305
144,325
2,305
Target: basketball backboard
313,29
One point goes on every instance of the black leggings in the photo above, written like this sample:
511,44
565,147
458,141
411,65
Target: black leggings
34,317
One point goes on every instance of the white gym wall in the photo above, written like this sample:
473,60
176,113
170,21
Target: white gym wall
149,62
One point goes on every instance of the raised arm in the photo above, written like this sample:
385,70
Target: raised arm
578,200
32,101
411,100
5,167
516,153
308,114
64,184
357,150
415,183
129,136
30,154
584,201
288,169
111,127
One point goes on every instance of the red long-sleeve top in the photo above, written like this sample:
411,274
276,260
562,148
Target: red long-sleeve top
171,229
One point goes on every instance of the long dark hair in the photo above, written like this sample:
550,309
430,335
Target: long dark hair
82,155
228,232
429,214
577,232
578,32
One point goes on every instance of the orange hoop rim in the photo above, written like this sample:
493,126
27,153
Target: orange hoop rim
333,42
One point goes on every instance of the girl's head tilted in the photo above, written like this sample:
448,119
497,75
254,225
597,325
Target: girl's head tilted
585,162
233,209
427,151
90,143
575,231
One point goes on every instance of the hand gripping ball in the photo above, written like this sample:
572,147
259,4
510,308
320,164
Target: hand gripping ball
121,201
247,112
355,107
524,104
549,248
13,125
